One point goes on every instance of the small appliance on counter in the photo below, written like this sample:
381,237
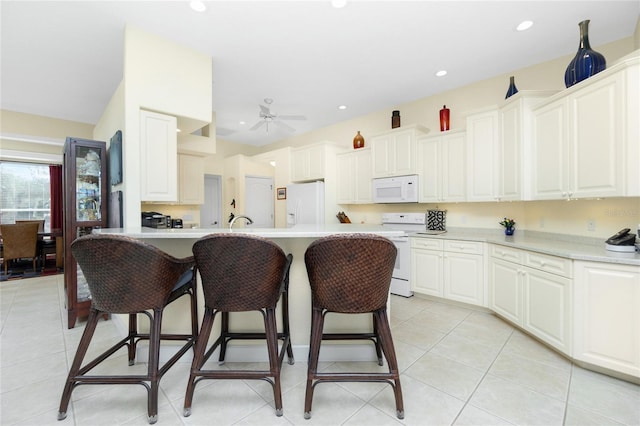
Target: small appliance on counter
176,223
154,220
623,241
436,222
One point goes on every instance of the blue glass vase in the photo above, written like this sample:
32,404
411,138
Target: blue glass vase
509,231
512,88
587,61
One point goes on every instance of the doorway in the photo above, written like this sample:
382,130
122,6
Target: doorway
259,201
211,210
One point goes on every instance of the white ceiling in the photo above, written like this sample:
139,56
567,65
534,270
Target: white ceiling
63,59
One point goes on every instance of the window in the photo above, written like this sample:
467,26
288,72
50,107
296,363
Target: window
24,192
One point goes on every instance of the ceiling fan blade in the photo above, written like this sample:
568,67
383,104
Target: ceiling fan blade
284,126
264,110
292,117
258,125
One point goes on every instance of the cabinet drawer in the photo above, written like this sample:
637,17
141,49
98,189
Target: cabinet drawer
471,247
506,253
426,243
555,265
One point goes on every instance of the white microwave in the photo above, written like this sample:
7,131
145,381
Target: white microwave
397,189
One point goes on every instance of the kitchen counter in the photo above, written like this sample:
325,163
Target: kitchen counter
567,246
178,242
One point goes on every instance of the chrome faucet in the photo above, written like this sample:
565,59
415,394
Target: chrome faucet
248,219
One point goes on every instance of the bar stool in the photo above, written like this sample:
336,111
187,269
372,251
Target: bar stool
127,276
240,273
351,274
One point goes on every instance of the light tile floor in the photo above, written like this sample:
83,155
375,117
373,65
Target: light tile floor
459,367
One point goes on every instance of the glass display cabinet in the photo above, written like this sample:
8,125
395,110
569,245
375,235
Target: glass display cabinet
85,208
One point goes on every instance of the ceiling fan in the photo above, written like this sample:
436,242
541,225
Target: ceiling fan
271,117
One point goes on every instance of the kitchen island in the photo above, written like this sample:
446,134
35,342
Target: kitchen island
178,242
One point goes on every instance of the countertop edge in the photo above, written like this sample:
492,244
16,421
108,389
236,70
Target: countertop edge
587,249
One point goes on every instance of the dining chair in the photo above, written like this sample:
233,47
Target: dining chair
45,245
351,274
19,241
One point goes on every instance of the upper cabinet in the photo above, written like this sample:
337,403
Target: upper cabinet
307,163
394,153
191,181
516,129
483,156
158,157
585,139
354,177
441,167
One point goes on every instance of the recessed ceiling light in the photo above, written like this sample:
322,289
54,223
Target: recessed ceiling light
338,4
441,73
242,123
198,6
342,107
524,25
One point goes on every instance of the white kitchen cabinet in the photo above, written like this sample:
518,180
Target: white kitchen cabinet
394,153
307,163
441,167
354,177
450,269
533,291
483,156
158,157
191,182
585,139
607,316
516,129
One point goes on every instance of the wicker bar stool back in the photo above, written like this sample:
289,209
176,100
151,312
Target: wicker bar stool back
127,276
240,273
351,274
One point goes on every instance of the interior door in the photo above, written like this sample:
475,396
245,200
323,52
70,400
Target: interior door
211,211
259,201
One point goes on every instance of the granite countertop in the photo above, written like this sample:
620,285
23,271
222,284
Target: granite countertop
568,246
298,231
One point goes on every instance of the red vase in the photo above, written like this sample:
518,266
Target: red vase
444,118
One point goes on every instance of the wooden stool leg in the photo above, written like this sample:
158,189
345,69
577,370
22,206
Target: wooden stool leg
389,352
271,334
133,331
317,323
198,358
224,332
83,346
154,365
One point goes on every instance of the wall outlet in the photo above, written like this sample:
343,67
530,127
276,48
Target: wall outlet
591,225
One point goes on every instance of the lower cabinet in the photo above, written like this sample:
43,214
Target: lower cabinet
450,269
607,316
533,291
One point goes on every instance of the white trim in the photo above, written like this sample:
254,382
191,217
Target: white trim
30,157
28,139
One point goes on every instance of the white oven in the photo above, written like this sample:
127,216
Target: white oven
410,222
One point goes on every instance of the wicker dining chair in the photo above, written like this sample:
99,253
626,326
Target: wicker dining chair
127,276
351,274
240,273
19,241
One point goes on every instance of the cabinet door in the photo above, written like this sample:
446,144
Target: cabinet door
505,290
404,153
606,316
596,139
346,185
454,168
383,155
426,272
549,152
308,163
482,156
510,157
362,179
463,278
547,310
429,169
158,157
191,170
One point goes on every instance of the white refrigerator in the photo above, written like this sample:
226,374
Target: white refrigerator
305,203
